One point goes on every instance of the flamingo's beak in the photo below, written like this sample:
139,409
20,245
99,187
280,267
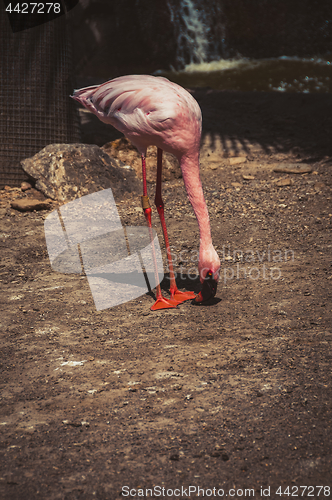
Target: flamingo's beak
209,289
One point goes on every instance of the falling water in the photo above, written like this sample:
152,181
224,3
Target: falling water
202,58
200,37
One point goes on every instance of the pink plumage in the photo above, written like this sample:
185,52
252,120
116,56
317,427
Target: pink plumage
152,110
148,110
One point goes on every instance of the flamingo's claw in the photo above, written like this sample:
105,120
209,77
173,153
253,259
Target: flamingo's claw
209,289
163,303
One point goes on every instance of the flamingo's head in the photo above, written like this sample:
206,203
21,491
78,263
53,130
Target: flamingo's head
209,269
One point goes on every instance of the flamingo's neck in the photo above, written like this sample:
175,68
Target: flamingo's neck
190,171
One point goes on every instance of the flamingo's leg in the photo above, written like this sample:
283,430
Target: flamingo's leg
175,292
161,302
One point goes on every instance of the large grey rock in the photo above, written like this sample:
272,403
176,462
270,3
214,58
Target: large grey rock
64,172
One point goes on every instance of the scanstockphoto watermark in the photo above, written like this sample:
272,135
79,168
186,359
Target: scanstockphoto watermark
237,263
185,491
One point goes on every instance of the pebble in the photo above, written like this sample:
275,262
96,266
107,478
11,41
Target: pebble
236,185
72,423
30,204
215,454
284,182
319,185
237,160
248,177
293,168
25,186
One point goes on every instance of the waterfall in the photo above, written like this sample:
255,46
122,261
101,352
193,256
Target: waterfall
199,32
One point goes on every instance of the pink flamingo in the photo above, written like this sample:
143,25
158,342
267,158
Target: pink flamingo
151,110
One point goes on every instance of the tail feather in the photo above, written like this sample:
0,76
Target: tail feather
80,95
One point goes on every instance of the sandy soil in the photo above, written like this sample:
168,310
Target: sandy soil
233,394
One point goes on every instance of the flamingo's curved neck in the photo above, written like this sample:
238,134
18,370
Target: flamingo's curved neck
190,171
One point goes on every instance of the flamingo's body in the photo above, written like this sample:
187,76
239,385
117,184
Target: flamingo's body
152,110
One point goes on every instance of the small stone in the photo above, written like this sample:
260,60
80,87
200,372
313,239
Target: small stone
189,396
213,166
30,204
236,185
248,177
319,186
25,186
284,182
293,168
72,423
237,160
177,387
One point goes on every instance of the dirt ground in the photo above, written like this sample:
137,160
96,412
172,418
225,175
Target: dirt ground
233,397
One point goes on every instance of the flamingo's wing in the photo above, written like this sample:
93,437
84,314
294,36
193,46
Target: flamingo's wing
148,110
137,102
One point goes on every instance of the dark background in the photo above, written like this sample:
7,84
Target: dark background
112,38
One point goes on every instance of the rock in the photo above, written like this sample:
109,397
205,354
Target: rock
72,423
284,182
30,204
237,160
236,185
123,150
64,172
293,168
25,186
319,186
215,454
248,177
